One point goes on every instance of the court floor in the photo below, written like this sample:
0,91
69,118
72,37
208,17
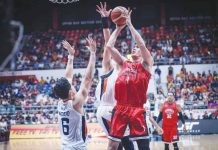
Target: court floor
188,142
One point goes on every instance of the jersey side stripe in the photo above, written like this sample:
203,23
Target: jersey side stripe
104,82
84,128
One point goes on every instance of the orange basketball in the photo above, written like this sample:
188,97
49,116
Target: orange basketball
117,15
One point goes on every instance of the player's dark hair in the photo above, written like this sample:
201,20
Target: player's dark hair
62,88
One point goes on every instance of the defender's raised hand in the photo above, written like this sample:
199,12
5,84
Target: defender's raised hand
102,10
68,47
91,44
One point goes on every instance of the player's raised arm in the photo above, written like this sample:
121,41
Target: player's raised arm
102,10
146,56
69,69
86,83
110,46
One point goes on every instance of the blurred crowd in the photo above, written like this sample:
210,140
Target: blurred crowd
168,45
191,90
32,101
182,44
30,97
43,50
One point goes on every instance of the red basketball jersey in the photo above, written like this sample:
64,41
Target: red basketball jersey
170,115
132,84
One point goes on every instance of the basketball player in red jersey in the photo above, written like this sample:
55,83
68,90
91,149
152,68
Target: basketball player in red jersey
169,111
105,88
130,90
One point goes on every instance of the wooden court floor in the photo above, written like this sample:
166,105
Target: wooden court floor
187,142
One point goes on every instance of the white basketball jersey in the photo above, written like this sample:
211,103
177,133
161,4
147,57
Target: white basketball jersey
105,88
72,126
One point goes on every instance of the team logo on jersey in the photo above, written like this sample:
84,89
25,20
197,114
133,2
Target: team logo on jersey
130,72
169,112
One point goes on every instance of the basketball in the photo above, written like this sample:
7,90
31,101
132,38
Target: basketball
117,15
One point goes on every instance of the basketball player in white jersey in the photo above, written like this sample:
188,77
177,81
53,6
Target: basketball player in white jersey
70,107
105,88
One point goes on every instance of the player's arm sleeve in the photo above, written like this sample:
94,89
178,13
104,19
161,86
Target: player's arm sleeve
106,61
160,116
179,108
181,117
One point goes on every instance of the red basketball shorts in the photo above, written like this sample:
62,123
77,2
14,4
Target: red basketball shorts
170,134
134,117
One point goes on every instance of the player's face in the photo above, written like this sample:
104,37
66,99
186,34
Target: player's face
170,98
136,52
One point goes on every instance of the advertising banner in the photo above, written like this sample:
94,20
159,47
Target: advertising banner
193,127
48,131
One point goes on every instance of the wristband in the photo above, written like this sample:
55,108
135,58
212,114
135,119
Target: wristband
105,22
71,57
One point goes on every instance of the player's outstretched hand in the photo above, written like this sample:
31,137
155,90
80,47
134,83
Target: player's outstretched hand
159,131
102,10
128,17
91,44
68,47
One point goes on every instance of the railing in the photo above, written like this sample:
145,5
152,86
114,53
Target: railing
178,61
166,61
161,61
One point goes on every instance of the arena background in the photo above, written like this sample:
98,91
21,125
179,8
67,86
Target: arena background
182,36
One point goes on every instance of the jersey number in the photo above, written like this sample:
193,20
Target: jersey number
169,116
65,126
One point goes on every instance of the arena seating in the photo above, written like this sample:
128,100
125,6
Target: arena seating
168,45
43,50
184,44
34,101
29,101
198,90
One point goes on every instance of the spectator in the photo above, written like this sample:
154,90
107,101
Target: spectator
205,116
191,116
185,116
157,75
3,125
34,119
